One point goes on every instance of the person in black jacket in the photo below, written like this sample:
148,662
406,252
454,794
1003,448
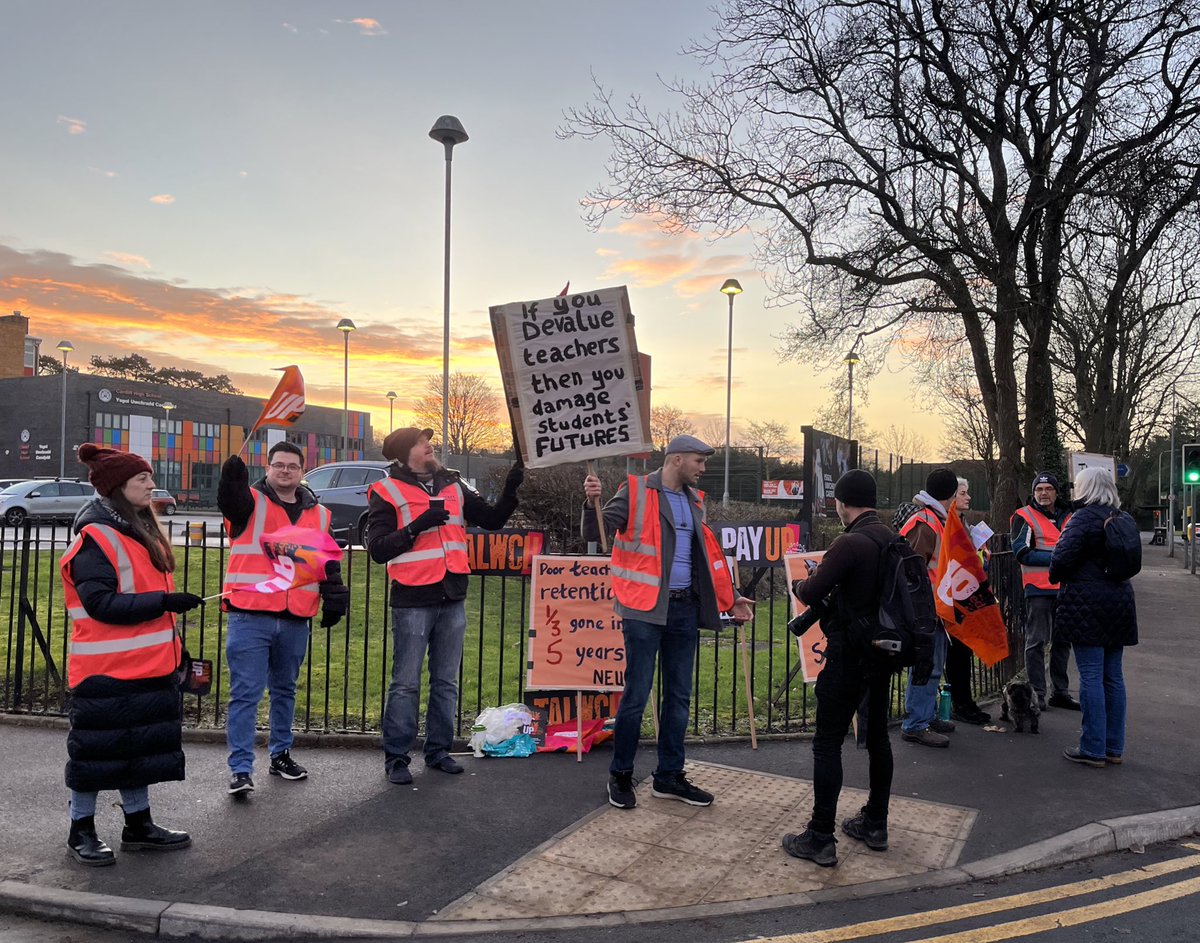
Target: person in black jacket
1097,615
416,524
846,585
125,725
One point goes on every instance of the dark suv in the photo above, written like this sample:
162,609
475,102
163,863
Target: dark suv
342,487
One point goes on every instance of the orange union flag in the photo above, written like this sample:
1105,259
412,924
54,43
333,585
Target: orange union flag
964,599
286,403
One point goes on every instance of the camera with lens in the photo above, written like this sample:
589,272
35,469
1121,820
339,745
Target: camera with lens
807,619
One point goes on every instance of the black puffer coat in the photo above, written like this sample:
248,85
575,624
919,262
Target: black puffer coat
124,734
1091,609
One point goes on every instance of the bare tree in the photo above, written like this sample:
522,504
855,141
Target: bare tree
771,437
902,441
666,422
473,417
917,158
712,432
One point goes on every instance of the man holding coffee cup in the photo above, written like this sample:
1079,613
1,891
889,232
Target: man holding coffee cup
417,526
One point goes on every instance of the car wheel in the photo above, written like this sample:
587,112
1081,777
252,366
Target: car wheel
15,517
169,510
362,531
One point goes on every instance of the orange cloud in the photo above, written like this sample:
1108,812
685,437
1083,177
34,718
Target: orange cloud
652,270
163,199
73,125
128,258
366,26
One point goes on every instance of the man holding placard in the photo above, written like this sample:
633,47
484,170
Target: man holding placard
417,526
670,577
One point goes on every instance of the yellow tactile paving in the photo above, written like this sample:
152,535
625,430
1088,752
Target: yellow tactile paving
668,854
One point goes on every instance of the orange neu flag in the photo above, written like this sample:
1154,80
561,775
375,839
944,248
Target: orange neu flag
286,403
964,599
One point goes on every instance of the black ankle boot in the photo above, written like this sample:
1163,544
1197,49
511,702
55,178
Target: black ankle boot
85,845
141,834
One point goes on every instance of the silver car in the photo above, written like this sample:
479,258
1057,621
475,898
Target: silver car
44,500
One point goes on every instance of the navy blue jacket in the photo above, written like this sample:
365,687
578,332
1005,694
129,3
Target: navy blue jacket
1091,608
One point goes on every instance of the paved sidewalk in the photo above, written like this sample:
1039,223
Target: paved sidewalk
456,853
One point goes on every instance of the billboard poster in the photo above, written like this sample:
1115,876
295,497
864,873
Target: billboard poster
826,458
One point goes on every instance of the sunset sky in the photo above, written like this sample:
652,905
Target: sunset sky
216,184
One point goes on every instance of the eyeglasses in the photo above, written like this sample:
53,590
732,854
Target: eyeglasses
279,466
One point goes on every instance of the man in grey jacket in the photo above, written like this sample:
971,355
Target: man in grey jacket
670,578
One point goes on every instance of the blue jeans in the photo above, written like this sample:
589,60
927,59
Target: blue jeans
921,701
83,804
1102,697
440,629
264,650
675,644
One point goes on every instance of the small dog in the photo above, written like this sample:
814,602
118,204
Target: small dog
1020,705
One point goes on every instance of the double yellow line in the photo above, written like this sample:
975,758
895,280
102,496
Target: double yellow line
1030,925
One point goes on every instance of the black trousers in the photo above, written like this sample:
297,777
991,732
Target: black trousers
958,675
841,686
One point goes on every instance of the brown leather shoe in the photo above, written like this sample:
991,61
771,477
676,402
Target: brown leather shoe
926,737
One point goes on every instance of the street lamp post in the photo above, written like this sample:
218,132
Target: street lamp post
449,131
850,360
391,397
166,483
345,325
730,288
66,347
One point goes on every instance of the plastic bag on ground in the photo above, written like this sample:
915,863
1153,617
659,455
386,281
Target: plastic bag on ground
501,725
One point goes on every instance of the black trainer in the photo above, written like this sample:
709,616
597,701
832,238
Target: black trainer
811,846
241,784
399,774
971,714
678,787
620,791
447,764
283,765
873,834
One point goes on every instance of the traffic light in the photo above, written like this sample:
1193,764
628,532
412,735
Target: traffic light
1191,464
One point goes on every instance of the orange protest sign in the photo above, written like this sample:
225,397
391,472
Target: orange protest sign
575,638
797,566
964,599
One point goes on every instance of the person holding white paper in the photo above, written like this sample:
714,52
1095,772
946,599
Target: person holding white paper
958,654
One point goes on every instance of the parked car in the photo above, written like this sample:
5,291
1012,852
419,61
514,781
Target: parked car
6,483
163,502
342,487
56,499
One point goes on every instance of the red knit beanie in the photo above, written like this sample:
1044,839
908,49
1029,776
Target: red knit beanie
108,469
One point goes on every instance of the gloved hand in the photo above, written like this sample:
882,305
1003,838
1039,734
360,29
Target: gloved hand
335,603
428,519
235,469
180,602
516,475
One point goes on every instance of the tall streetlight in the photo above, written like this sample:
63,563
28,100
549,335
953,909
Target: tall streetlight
345,325
850,360
167,407
391,397
449,131
66,347
730,288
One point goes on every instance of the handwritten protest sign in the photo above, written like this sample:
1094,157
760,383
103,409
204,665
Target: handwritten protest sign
575,638
812,645
572,377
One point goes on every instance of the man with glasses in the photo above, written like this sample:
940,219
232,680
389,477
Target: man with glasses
267,633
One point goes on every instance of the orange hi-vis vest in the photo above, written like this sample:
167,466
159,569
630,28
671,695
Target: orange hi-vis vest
936,524
637,564
435,551
248,564
1045,533
127,652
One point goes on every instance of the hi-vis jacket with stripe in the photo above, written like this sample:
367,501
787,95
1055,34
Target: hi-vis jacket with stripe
436,551
1034,537
248,564
149,649
929,518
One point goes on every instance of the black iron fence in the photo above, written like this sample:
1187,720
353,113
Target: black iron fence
345,678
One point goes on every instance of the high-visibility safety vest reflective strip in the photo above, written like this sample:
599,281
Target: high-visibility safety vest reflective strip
248,564
127,652
1045,535
936,524
435,551
637,564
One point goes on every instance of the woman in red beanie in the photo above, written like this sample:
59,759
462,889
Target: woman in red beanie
126,729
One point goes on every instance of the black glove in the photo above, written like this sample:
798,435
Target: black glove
516,475
235,469
428,519
335,603
180,602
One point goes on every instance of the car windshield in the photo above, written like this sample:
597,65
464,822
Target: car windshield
13,489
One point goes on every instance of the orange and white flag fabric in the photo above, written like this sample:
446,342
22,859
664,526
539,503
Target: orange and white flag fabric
286,403
964,600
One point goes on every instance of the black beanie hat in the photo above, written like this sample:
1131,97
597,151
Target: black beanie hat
942,484
399,444
856,489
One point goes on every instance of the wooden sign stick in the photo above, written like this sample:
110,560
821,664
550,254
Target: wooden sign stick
591,470
654,709
578,726
741,631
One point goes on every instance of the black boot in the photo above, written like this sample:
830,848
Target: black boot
141,834
86,846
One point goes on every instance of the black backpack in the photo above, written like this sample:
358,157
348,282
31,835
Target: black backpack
901,635
1122,547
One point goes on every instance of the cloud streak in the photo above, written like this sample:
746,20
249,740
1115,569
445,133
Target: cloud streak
73,125
162,199
366,26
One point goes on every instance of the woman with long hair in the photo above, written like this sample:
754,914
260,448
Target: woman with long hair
125,724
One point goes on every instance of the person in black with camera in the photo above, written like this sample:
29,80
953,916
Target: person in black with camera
843,589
